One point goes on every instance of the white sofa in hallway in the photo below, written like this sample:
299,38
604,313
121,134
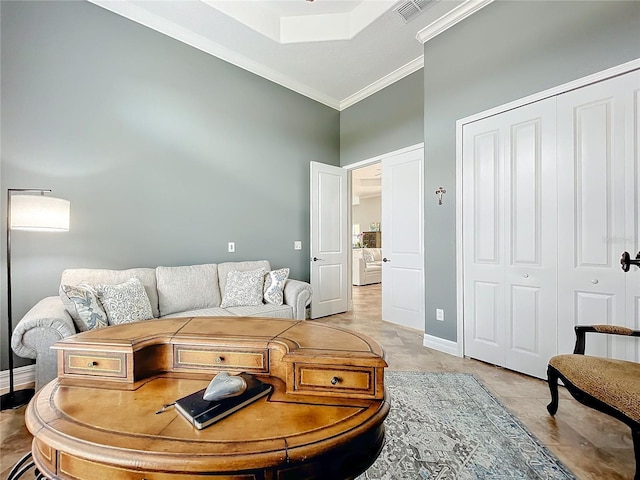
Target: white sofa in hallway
367,266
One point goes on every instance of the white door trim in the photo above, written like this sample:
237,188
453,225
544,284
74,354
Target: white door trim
579,83
379,158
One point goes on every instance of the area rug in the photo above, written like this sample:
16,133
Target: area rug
448,426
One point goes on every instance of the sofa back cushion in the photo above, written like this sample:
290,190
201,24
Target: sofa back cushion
187,288
95,276
225,268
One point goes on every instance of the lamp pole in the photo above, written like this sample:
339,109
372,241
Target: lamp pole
14,399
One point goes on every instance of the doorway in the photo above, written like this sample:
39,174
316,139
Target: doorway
366,215
398,236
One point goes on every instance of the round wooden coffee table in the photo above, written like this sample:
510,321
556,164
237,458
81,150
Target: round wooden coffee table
323,419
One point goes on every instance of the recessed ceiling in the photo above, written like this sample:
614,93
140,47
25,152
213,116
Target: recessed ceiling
334,51
366,182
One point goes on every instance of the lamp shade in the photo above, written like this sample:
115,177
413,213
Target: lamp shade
39,213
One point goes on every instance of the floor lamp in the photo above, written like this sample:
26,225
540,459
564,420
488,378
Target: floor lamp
26,211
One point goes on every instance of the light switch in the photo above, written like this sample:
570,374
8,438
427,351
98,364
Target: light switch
297,245
440,314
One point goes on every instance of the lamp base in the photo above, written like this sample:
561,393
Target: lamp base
16,399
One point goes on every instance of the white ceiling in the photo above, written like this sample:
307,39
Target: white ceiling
366,182
334,51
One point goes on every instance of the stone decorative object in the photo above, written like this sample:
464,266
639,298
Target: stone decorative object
223,386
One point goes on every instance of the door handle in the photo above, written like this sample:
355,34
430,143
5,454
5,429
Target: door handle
315,259
385,259
626,262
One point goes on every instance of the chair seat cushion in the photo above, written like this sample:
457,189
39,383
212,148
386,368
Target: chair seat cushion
614,382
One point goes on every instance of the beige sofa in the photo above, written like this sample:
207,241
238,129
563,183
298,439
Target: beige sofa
196,290
367,266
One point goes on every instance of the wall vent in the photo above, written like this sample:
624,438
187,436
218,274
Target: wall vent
410,9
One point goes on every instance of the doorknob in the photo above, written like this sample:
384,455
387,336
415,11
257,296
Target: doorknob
626,262
315,259
385,259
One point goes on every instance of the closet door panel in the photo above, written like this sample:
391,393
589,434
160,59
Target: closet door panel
509,236
593,205
483,211
531,236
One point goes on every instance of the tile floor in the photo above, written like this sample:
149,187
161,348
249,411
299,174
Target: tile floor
593,445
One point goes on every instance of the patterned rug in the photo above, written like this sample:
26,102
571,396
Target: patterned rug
448,426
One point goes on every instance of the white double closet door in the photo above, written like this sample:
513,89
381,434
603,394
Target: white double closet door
549,203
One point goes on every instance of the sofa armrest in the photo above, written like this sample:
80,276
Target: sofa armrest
42,326
359,267
49,313
297,294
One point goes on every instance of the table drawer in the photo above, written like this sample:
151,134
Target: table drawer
221,359
100,364
337,379
73,467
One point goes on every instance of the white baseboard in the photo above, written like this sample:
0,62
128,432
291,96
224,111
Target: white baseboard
441,344
22,376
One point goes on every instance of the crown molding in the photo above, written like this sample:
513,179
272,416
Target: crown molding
398,74
462,11
150,20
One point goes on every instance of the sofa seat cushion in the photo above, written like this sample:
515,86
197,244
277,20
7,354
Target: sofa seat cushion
95,276
187,288
201,312
266,310
375,267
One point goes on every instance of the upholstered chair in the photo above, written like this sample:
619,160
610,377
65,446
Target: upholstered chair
608,385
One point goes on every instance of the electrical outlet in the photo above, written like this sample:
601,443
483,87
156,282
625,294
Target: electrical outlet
297,245
440,314
232,247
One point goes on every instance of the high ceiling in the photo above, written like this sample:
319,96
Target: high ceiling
334,51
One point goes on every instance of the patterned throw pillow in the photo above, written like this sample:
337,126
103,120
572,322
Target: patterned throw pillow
126,302
243,288
274,286
81,301
368,256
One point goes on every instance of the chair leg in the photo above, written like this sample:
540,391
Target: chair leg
552,378
635,434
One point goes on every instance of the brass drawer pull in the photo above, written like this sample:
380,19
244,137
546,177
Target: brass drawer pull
335,380
92,364
219,359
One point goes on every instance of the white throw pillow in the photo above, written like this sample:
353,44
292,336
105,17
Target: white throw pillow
126,302
274,286
243,288
81,301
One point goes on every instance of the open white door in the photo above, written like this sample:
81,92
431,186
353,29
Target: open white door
329,240
402,239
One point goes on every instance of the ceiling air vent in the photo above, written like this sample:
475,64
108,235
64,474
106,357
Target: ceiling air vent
412,8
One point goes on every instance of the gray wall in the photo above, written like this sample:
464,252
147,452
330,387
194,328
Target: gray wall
386,121
166,153
506,51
